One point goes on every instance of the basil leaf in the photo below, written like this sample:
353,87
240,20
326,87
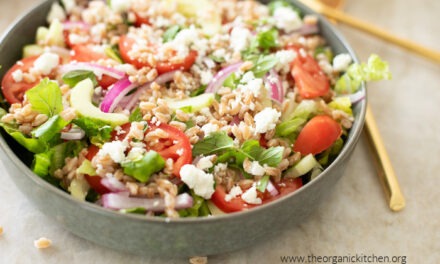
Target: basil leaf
268,39
150,163
50,128
98,131
73,77
46,98
213,144
271,156
263,65
135,116
171,33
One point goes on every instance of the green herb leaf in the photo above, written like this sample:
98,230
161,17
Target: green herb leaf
271,156
46,98
135,116
113,53
141,169
73,77
171,33
50,128
215,143
98,131
198,91
268,39
263,65
232,81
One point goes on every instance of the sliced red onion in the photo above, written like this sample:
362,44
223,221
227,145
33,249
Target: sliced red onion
271,188
73,134
273,80
162,79
62,52
68,25
117,93
235,120
308,29
357,97
113,184
121,200
97,69
221,76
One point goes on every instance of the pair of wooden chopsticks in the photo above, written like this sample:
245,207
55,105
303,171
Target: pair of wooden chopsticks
385,169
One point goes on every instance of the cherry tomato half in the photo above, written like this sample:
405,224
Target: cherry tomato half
95,181
309,78
14,91
85,53
237,204
317,135
126,43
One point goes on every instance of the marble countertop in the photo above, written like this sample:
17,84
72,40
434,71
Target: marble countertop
355,219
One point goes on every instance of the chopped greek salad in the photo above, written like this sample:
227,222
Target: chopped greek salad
180,108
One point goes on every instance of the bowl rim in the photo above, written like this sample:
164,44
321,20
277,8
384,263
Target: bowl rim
355,132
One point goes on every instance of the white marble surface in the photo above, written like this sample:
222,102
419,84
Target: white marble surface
355,218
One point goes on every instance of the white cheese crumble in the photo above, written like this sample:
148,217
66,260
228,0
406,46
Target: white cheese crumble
234,192
341,62
115,150
46,62
205,163
209,128
206,77
135,153
202,183
285,57
287,19
56,12
250,196
250,84
69,5
181,43
266,120
240,38
256,169
220,167
17,75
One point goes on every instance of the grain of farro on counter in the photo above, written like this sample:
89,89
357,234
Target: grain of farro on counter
181,108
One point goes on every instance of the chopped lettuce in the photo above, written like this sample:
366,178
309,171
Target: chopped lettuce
374,70
267,39
142,168
73,77
171,33
46,98
50,128
342,103
199,208
98,131
34,145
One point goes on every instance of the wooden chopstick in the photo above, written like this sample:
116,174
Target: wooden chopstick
372,29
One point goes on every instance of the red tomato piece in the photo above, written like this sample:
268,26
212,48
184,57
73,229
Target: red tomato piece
126,43
85,53
14,91
163,67
95,181
140,20
176,147
237,204
106,81
317,135
309,78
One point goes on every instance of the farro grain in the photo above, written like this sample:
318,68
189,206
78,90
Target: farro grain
42,243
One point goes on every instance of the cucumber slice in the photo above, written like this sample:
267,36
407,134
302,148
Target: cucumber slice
192,104
81,101
303,166
32,50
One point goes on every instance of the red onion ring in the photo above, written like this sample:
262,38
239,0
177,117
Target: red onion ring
273,80
97,69
221,76
121,200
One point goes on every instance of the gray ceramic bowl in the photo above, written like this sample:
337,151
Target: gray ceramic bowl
155,236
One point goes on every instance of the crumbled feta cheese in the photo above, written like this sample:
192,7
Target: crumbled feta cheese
46,62
234,192
120,6
209,128
17,75
205,163
98,31
115,149
341,62
56,12
181,43
219,53
247,77
285,57
253,86
220,167
135,153
206,77
240,38
256,169
250,196
266,120
202,183
179,152
287,19
161,22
